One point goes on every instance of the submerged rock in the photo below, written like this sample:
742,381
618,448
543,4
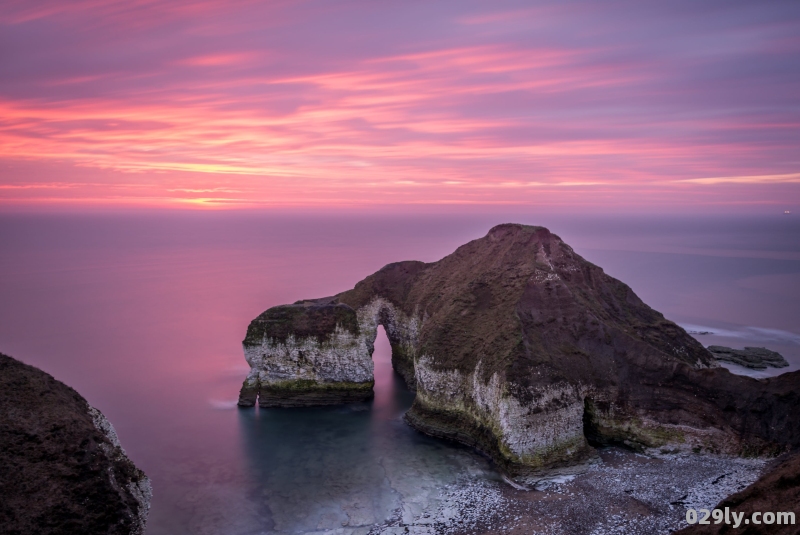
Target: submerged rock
519,347
756,358
62,468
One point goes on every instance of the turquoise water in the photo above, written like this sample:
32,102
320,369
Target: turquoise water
144,316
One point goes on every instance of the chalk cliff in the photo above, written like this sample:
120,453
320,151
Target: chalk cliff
62,468
519,347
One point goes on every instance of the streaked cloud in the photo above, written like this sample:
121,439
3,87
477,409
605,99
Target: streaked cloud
790,178
326,103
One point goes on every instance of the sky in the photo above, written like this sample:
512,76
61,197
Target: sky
349,104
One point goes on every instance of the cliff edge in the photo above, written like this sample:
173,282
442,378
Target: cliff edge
62,468
519,347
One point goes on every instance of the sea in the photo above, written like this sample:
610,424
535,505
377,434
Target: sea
144,314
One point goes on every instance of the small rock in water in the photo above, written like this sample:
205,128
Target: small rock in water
756,358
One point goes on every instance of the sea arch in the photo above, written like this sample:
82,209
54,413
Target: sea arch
319,352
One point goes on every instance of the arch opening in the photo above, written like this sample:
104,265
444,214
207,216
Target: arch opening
392,397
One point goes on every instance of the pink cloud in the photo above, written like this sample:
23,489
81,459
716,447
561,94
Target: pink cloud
251,104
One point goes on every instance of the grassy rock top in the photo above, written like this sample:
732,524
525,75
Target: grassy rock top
520,298
516,299
317,318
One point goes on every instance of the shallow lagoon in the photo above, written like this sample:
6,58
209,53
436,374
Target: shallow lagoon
144,316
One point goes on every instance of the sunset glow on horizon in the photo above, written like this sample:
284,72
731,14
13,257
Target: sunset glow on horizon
242,104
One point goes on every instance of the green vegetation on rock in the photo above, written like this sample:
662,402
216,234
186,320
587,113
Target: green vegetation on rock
507,338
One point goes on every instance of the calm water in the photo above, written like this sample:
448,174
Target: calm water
144,316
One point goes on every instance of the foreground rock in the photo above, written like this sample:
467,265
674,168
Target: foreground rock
62,469
522,349
776,491
756,358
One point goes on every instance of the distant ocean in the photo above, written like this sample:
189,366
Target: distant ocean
144,316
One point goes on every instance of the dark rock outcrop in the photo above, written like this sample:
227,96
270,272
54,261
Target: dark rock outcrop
756,358
519,347
62,469
776,491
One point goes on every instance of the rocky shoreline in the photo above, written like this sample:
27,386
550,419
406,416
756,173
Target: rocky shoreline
778,490
623,493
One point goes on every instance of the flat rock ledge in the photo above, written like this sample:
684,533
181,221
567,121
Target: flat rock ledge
756,358
62,468
520,348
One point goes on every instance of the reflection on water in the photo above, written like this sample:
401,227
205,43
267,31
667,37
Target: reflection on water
144,316
352,466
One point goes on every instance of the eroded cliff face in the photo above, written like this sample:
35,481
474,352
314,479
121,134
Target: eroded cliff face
318,352
62,468
521,348
491,416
